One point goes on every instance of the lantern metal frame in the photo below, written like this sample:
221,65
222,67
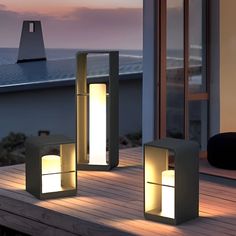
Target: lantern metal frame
82,96
186,179
36,149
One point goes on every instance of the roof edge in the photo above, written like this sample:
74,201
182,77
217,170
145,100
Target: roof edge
63,83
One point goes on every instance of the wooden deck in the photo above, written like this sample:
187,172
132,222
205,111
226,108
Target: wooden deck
206,168
111,203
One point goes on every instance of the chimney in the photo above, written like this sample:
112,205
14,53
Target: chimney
31,43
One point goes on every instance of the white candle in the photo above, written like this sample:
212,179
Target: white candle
51,182
97,124
168,193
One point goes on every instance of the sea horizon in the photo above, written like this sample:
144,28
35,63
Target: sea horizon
8,55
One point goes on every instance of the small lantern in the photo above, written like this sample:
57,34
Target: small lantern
97,115
51,167
171,181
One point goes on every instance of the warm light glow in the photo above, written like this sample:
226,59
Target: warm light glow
150,189
97,124
153,177
168,194
51,173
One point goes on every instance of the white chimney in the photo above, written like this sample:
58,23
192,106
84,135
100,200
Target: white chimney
31,43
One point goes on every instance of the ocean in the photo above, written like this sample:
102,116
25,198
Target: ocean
174,57
9,55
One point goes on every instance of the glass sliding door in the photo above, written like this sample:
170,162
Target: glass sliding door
197,73
183,78
197,49
198,124
175,69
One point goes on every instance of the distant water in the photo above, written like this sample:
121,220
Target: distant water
174,57
9,55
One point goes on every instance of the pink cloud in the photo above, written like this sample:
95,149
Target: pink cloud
2,6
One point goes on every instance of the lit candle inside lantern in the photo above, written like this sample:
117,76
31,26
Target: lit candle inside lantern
51,173
168,193
97,124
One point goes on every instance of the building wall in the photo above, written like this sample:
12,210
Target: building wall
53,109
130,109
227,66
149,69
31,111
223,66
214,108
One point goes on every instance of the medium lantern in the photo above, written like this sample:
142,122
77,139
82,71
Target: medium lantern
171,181
97,115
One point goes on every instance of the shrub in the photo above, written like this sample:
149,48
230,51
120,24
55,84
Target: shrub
131,140
12,149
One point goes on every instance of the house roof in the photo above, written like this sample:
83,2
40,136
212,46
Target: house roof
40,74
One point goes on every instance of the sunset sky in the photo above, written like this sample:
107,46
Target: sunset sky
55,6
75,23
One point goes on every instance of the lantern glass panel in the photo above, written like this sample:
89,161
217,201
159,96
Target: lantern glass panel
97,101
58,167
159,182
98,120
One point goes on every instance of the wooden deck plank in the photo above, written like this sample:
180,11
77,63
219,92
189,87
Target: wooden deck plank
28,226
50,214
206,168
221,194
218,210
221,201
112,201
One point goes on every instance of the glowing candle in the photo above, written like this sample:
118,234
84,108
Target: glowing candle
51,177
168,193
97,124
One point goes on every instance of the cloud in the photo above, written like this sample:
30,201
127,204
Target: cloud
2,6
120,28
106,16
81,28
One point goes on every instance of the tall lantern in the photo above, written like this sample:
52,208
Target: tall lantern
171,181
51,167
97,115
